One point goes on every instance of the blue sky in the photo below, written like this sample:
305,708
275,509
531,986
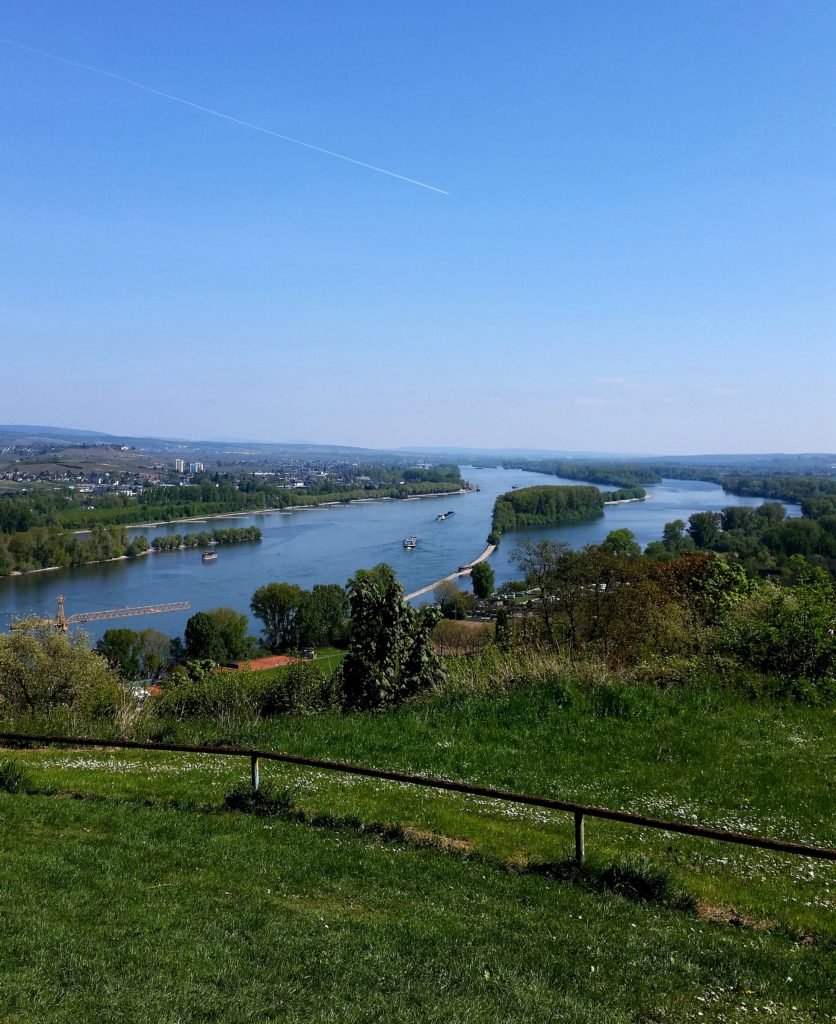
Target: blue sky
637,252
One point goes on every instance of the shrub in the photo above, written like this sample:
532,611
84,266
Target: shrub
644,882
42,668
635,879
268,801
620,700
219,695
300,689
15,777
788,631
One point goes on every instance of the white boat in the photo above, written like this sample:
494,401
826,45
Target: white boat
444,515
210,556
410,542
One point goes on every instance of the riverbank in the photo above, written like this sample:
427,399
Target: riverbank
628,501
281,511
96,561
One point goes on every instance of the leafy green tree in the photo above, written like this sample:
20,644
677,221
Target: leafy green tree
123,650
232,628
622,542
451,601
323,616
156,652
203,639
107,542
674,538
771,511
483,579
42,668
704,528
657,552
390,653
544,565
736,517
138,546
278,606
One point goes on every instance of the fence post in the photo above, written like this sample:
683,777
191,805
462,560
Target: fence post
254,772
579,848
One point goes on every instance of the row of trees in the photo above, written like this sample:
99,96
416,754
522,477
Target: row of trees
44,547
390,654
762,538
612,474
626,494
205,538
626,608
294,618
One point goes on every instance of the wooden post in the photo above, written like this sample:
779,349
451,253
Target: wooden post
254,772
579,849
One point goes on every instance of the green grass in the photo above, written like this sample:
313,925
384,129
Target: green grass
118,912
330,657
413,931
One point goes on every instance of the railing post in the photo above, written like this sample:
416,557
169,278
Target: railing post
579,849
254,772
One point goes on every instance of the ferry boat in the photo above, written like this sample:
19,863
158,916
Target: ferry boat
410,542
210,556
444,515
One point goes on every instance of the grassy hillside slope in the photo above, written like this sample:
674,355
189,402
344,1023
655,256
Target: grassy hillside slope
144,898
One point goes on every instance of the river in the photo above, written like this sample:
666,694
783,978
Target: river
327,545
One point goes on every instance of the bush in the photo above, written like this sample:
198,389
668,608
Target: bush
635,879
620,700
219,695
673,671
268,801
42,668
300,689
643,882
15,777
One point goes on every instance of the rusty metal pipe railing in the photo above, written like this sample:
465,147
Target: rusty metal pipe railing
580,811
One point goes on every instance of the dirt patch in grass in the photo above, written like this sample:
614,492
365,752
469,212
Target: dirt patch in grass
447,844
725,915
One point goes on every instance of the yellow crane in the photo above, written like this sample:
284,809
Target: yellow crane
62,621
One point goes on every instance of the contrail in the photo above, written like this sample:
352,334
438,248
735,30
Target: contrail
224,117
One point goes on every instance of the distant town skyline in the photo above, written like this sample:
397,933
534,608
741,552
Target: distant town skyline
636,255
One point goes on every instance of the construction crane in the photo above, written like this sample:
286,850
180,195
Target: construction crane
62,621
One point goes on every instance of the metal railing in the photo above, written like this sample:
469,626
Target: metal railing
580,811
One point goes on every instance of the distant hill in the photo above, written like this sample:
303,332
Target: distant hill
244,450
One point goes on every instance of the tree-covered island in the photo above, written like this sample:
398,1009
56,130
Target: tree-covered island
544,506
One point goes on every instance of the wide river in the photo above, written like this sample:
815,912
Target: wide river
327,545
